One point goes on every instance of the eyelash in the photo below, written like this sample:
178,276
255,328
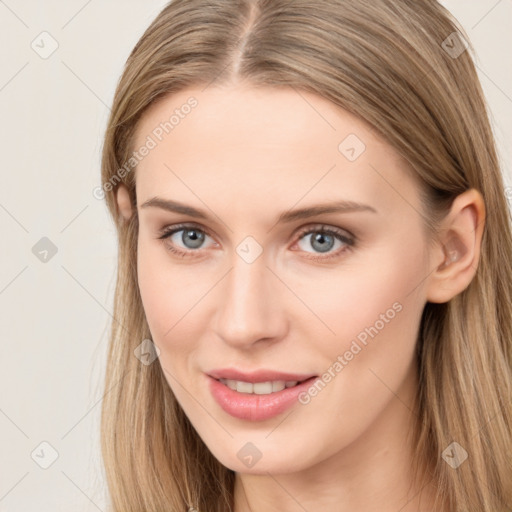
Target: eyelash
349,241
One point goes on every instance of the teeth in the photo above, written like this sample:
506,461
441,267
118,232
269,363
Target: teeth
258,388
243,387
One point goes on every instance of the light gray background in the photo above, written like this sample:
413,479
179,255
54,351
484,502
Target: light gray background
55,315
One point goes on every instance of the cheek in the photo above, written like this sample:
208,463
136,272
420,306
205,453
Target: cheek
168,292
376,304
375,310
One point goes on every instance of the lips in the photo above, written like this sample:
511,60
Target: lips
256,406
255,376
253,407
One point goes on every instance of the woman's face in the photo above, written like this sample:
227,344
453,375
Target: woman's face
252,285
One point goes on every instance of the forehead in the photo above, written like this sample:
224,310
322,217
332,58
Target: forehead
252,145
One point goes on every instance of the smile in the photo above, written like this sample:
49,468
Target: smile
256,401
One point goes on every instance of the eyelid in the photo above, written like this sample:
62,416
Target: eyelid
326,228
302,231
166,231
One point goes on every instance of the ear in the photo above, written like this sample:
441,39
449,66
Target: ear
456,256
124,204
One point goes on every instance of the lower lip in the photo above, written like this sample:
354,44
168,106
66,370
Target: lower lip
253,407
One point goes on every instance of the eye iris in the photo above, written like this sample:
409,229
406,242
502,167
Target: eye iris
196,236
321,238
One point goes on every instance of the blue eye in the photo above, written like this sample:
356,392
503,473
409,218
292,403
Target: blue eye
322,239
192,238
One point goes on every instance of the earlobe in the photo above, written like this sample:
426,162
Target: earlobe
458,252
124,204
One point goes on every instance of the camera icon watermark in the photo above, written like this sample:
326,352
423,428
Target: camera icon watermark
352,147
455,45
147,352
249,454
44,45
249,249
44,455
454,455
44,250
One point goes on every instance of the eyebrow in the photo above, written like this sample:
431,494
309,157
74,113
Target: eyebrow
340,206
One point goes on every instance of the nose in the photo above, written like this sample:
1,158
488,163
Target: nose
250,310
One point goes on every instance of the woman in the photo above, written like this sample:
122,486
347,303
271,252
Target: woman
313,304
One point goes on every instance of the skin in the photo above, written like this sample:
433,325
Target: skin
246,155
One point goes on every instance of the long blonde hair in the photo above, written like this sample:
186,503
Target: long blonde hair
401,66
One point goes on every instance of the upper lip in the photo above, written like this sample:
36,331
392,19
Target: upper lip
261,375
